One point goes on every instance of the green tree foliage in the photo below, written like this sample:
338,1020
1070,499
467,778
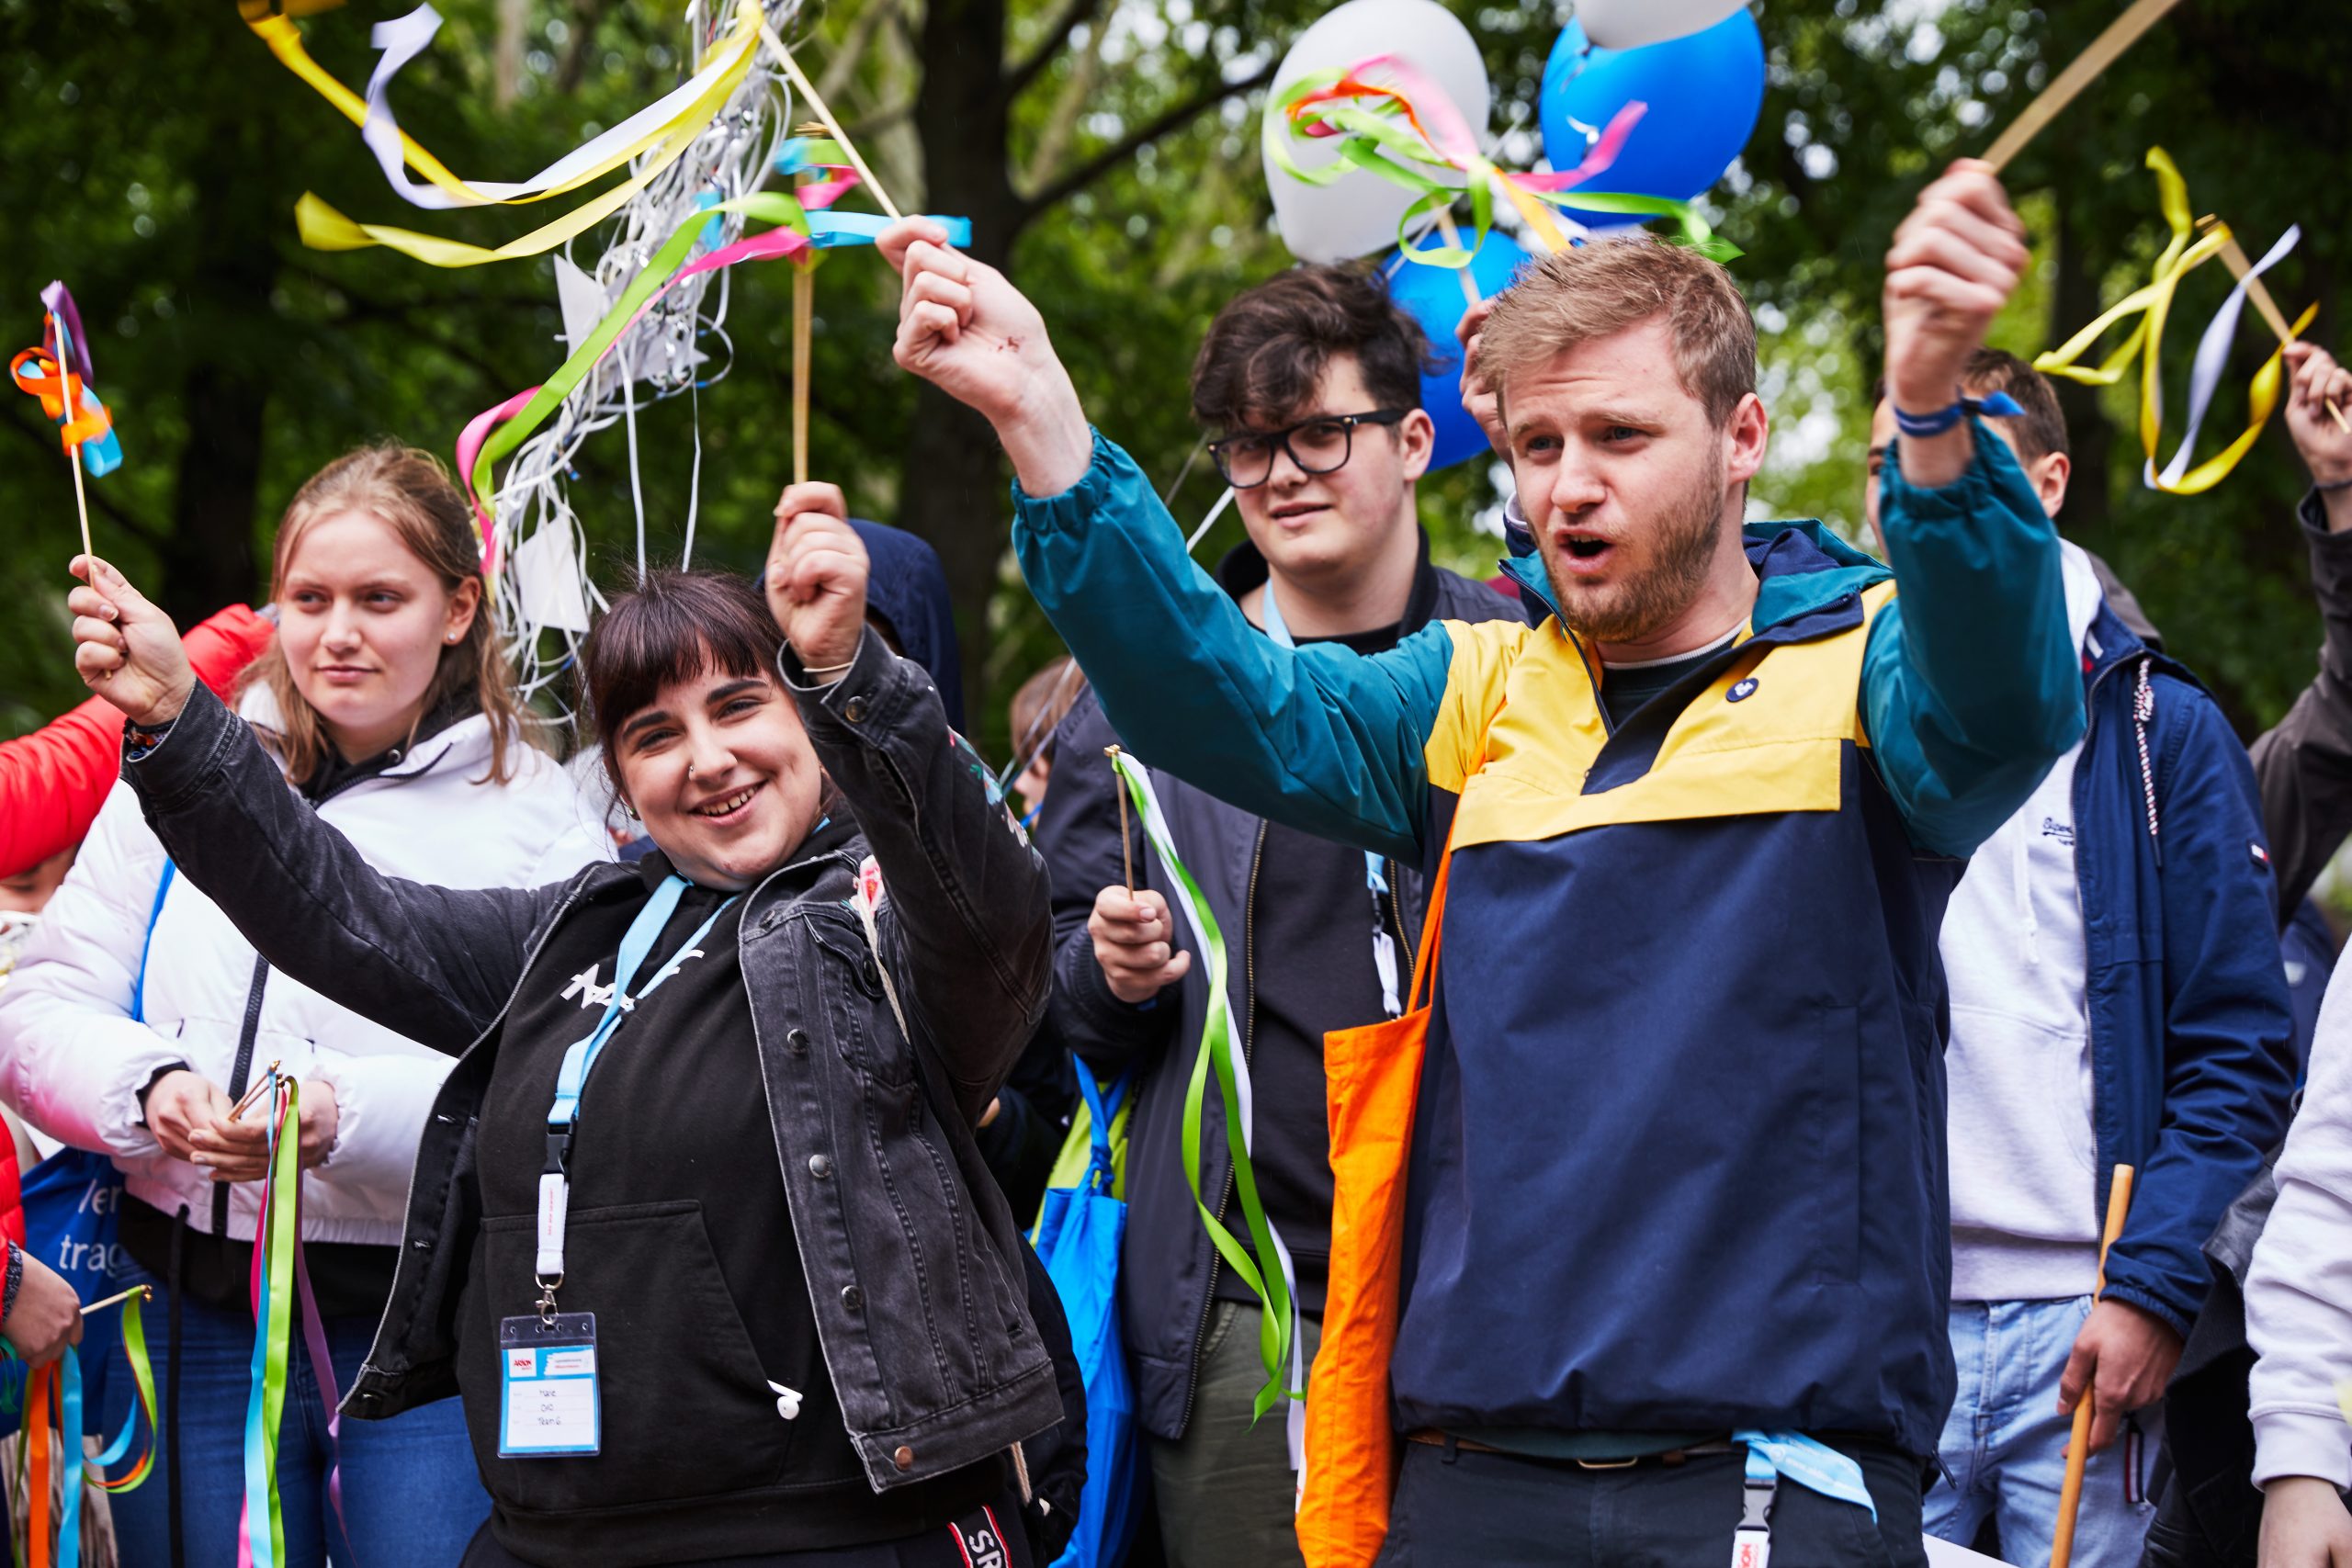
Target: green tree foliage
1107,149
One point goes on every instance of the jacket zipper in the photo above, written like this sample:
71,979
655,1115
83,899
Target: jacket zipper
240,1074
1248,1045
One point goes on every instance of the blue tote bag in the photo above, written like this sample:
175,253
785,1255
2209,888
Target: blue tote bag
72,1205
1078,1237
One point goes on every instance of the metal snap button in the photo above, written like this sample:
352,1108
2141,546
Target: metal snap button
853,710
796,1042
820,1166
904,1459
853,1298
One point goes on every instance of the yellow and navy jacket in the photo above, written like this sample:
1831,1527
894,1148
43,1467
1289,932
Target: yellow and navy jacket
1678,1161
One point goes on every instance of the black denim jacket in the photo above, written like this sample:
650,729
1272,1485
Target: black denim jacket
913,1258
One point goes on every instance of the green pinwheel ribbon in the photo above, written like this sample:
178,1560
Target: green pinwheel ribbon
277,1234
1269,1273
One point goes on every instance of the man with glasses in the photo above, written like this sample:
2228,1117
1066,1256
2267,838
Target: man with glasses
1311,386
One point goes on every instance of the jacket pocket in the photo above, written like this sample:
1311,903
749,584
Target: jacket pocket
863,1029
686,1410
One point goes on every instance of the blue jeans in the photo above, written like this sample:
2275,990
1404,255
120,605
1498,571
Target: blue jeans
411,1490
2003,1446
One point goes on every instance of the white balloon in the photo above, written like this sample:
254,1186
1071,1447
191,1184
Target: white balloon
1358,213
1630,24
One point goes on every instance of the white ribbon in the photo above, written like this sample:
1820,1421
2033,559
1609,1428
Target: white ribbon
2213,360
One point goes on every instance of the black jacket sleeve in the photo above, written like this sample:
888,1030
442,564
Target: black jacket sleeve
434,964
2304,766
1079,832
967,921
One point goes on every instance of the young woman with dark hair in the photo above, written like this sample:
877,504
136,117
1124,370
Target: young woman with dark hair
380,718
698,1233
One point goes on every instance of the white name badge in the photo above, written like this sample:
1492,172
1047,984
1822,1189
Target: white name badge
548,1404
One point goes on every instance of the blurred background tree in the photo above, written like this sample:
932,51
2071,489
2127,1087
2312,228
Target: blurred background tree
1107,153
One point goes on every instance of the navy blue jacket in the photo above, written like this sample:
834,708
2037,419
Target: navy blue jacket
2192,1038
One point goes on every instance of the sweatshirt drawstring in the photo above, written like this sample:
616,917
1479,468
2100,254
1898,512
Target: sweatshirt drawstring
2021,882
2143,708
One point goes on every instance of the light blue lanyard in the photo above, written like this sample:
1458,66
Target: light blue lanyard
1376,879
580,1060
1811,1464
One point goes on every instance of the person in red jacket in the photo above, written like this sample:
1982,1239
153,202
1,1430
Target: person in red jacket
54,781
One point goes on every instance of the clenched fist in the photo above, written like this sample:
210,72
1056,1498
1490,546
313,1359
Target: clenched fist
816,578
1954,264
1135,941
126,649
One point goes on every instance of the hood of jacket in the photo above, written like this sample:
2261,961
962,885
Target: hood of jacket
907,588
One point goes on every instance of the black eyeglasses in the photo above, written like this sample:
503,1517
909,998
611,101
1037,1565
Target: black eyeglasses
1317,445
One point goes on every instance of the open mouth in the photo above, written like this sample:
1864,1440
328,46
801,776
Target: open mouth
731,805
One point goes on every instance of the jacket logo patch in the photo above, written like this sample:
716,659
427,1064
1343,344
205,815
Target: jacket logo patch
1742,690
2062,831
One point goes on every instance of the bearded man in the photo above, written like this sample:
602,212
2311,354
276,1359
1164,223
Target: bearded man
1640,1234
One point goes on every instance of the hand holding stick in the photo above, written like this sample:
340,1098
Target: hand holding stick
2078,1447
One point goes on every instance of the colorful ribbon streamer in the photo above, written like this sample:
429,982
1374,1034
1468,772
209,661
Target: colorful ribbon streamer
1399,126
1278,1343
276,1235
657,135
58,373
56,1391
496,432
2151,303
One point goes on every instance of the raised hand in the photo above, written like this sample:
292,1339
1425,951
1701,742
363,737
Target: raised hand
965,329
1955,261
1478,400
126,649
2324,445
1134,943
816,578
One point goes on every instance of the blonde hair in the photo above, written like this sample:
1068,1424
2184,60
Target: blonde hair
1592,290
409,491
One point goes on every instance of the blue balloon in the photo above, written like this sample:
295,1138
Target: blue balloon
1703,92
1432,296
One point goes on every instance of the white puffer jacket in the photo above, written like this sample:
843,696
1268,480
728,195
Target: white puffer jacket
73,1061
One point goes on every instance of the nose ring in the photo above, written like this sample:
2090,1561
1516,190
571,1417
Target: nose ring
690,770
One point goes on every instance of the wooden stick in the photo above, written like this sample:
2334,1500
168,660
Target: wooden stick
1126,855
81,501
804,317
808,90
144,1292
2259,292
2121,35
255,1093
2078,1449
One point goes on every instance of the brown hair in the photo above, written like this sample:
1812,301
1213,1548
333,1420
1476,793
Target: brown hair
1268,347
1589,291
671,625
2042,429
410,493
1040,706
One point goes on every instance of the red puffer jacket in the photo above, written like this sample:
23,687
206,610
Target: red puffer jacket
54,781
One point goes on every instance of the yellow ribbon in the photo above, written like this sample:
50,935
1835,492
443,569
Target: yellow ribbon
324,228
2151,303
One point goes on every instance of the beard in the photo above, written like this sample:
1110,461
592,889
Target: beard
1677,544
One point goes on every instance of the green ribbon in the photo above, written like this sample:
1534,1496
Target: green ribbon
1215,1055
1381,141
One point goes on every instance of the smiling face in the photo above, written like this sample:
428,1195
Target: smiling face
363,624
722,771
1633,493
1321,528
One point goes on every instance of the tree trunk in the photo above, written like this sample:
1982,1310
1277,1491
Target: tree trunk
207,558
952,489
